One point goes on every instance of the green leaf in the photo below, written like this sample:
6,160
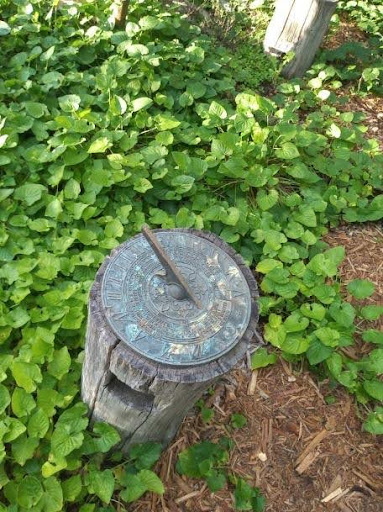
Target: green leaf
26,375
38,424
141,103
22,403
29,491
71,488
238,420
134,490
261,358
215,109
101,483
5,29
215,481
151,481
360,288
53,495
372,312
314,311
373,336
35,109
318,352
142,185
295,322
64,443
70,102
335,363
23,448
374,422
328,336
374,388
15,429
231,216
145,455
295,344
108,437
343,313
99,145
29,193
287,151
5,398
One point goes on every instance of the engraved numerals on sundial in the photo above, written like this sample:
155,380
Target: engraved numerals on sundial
187,304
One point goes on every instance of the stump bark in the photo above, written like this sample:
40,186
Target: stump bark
146,400
298,26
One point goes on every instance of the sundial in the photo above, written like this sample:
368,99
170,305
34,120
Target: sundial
175,297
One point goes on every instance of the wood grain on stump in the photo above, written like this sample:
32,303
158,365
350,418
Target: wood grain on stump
298,26
146,400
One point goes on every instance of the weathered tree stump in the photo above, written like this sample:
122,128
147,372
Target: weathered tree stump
298,26
144,399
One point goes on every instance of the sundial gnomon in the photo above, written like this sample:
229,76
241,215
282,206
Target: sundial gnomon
176,298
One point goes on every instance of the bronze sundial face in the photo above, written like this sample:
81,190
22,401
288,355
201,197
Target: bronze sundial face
183,302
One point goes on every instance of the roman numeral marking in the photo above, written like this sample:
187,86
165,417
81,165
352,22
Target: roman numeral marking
114,294
119,316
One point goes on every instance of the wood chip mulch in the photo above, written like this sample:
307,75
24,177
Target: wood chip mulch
305,455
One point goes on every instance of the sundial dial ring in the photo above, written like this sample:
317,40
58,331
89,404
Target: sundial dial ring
157,317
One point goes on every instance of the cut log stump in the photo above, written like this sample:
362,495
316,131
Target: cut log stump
144,399
298,26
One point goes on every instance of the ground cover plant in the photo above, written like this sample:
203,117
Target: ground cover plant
101,131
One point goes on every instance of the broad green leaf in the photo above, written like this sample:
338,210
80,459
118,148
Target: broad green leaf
141,103
63,443
373,336
99,145
328,336
22,402
35,109
374,388
287,151
215,481
5,398
71,488
102,484
262,358
15,429
145,454
151,481
29,491
53,495
134,490
5,29
238,420
318,352
374,422
372,312
343,313
215,109
29,193
38,424
70,102
23,448
26,375
361,288
295,344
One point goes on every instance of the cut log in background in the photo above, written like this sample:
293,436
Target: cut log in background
146,400
298,26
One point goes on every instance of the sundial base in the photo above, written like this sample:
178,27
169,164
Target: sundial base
145,399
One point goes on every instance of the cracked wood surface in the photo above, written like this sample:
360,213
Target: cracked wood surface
298,26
